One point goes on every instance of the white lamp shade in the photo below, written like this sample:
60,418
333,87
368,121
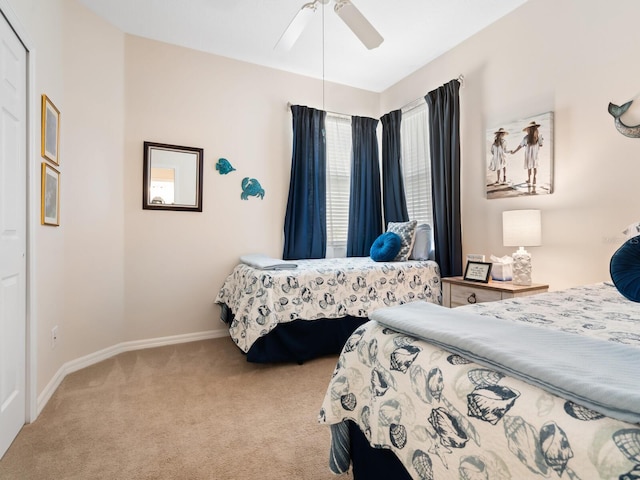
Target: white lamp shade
521,228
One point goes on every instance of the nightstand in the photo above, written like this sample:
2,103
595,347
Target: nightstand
457,292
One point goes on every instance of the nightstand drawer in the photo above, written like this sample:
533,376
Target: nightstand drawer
456,291
464,295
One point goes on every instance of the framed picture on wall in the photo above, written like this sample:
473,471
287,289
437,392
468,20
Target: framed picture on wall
519,157
50,192
50,140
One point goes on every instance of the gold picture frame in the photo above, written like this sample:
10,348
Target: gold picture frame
50,141
50,193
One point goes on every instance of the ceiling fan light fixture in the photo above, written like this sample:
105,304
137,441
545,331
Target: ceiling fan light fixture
358,24
295,28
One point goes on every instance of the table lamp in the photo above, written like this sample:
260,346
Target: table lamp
521,228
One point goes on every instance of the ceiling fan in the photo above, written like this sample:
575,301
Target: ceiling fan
346,10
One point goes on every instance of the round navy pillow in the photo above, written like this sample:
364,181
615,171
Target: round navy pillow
386,247
625,269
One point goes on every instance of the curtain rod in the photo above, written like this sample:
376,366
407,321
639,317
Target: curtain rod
408,106
418,101
289,104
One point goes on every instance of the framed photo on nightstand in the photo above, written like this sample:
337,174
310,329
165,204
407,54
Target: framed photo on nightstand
478,271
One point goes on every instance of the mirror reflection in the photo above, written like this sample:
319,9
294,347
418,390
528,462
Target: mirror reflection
172,177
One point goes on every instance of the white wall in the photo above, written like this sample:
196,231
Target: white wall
571,57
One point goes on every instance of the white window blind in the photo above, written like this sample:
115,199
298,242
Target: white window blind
416,164
338,137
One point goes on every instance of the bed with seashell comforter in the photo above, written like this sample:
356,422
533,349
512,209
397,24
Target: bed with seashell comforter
297,314
404,407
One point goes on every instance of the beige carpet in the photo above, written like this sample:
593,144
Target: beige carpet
191,411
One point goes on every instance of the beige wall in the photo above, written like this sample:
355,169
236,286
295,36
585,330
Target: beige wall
78,265
114,272
571,57
92,166
175,262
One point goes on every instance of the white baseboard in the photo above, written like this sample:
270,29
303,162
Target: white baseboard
99,356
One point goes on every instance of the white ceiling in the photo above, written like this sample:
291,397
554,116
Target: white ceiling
415,32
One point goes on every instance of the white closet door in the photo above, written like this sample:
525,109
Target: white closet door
13,199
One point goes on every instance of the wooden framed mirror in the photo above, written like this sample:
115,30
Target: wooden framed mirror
172,177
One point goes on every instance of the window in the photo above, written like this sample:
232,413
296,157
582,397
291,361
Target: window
416,169
338,137
416,165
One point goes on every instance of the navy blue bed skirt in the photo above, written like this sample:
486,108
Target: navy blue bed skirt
300,340
370,463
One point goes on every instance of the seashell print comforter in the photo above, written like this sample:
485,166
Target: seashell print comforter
447,418
322,288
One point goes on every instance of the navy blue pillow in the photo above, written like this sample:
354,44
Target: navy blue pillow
385,247
625,269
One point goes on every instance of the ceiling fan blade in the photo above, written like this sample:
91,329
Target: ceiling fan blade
290,36
358,24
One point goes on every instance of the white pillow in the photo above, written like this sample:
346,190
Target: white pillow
406,231
421,243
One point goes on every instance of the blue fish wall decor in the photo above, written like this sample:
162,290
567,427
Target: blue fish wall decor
223,166
251,188
617,111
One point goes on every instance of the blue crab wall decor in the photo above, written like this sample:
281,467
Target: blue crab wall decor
251,188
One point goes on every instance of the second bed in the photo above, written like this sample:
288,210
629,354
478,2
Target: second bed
308,311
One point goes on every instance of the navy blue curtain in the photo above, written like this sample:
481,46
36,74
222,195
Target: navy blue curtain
395,204
444,146
305,224
365,206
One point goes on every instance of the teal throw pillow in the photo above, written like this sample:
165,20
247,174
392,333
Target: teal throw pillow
385,247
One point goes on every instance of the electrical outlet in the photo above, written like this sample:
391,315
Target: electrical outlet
54,337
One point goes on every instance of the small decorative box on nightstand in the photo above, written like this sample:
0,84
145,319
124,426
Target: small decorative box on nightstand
457,292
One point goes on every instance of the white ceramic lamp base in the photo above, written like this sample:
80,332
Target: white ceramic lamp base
521,267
